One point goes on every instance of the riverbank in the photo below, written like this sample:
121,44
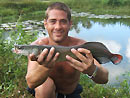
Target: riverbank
34,9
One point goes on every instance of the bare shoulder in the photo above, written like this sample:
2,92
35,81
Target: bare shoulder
41,41
77,41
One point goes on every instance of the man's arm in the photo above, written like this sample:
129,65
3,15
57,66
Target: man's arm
38,70
100,75
36,74
87,65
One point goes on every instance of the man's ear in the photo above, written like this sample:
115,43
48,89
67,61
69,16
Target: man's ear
71,23
45,23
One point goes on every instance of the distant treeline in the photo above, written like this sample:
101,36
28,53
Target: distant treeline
11,9
118,2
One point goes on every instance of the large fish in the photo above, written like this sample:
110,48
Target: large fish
98,50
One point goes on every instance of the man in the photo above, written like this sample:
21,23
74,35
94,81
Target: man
50,78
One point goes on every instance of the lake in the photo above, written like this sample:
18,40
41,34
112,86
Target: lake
114,33
116,37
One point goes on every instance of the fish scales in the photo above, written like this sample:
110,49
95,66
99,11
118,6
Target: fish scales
99,51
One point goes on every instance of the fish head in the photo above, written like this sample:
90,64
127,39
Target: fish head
20,49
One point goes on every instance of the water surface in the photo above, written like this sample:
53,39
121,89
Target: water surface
115,36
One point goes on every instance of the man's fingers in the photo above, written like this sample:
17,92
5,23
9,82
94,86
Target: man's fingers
79,55
79,68
42,55
85,61
32,57
47,57
74,61
55,57
89,60
50,54
52,62
85,51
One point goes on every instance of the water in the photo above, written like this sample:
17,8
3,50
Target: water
116,37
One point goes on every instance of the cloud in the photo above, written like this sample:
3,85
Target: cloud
114,73
128,50
112,45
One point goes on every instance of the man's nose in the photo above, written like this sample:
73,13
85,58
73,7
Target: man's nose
58,25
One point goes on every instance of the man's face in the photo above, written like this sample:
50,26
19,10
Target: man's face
57,25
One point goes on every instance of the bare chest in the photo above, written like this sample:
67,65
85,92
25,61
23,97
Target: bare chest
63,70
65,77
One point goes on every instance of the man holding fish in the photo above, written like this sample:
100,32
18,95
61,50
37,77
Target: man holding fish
47,78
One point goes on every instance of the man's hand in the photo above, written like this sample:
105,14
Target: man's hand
86,63
46,58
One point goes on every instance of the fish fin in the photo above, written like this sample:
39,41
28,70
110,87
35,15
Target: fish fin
116,58
102,60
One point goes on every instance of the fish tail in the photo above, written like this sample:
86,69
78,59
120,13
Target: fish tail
116,58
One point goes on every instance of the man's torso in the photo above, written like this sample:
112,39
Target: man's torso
65,77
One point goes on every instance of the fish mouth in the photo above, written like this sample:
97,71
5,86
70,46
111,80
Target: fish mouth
15,50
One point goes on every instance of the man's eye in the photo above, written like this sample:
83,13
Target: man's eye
52,21
64,21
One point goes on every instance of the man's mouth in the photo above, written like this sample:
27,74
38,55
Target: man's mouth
58,34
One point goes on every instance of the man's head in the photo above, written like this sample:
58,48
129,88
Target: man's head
58,22
59,6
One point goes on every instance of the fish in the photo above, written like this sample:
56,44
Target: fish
99,51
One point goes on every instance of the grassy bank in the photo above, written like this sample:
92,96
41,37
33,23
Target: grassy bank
10,11
117,7
34,9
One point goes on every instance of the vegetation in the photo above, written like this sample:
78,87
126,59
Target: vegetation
13,67
34,9
30,9
92,90
116,7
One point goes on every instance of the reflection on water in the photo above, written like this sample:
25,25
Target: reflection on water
115,36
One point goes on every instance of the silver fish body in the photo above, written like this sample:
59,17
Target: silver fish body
98,50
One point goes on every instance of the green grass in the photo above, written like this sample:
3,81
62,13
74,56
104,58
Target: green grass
100,6
29,9
36,8
92,90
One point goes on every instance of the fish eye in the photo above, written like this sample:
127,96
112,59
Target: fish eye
19,47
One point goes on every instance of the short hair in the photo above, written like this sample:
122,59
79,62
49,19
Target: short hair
59,6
